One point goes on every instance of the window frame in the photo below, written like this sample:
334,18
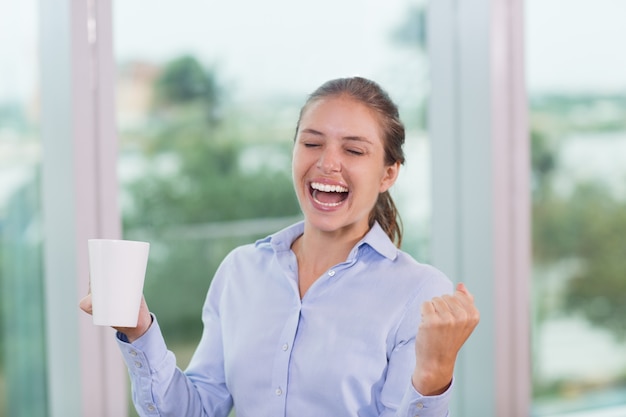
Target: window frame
481,195
79,199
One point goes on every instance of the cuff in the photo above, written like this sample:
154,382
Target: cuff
146,353
415,404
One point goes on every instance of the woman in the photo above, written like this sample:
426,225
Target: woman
321,318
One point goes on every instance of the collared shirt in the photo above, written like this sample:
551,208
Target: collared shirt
345,349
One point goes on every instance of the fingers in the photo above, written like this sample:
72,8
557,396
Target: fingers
85,304
456,309
446,304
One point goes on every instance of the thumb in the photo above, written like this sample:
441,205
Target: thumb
460,287
85,304
463,292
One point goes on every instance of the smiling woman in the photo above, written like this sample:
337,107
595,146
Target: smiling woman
231,147
309,289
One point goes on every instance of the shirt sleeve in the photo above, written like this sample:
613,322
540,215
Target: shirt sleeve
398,392
160,388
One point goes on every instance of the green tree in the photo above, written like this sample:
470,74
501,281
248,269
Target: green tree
195,180
184,82
587,225
598,289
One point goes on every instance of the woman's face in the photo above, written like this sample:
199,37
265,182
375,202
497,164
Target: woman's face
338,165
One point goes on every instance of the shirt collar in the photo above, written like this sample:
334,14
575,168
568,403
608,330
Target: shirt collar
376,238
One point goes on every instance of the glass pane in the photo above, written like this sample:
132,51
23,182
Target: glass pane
578,119
207,114
22,354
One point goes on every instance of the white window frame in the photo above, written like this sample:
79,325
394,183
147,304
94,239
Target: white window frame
481,195
86,375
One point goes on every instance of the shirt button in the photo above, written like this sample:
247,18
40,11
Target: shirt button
285,347
138,364
331,272
133,353
151,408
279,391
419,406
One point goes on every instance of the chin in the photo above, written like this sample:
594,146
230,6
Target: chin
328,224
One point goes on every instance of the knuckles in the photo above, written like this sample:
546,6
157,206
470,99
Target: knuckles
451,312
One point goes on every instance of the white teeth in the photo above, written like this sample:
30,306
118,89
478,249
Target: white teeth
327,204
328,188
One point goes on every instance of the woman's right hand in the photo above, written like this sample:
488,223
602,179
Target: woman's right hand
132,333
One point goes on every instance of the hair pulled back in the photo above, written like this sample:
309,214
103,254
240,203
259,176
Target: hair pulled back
375,98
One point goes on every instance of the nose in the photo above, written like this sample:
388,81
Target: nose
329,160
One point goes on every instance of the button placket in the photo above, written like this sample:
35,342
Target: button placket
283,350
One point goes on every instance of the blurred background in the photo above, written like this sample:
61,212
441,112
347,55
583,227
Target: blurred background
207,97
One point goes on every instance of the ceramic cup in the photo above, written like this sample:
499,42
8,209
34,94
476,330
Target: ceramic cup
117,270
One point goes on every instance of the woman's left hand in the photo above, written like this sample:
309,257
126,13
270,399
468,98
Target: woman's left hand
447,322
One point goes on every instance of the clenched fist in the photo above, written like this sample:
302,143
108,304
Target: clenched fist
447,322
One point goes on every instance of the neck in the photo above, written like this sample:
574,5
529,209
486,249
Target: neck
318,250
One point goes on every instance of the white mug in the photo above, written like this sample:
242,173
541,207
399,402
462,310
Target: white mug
117,270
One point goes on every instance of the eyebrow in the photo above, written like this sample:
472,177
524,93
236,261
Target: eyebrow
348,138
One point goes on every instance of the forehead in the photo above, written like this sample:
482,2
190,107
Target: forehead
341,114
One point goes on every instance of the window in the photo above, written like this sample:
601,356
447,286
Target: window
207,114
22,346
578,122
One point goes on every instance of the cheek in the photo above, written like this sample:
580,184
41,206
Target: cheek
298,172
300,164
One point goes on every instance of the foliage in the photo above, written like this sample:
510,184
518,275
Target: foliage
598,291
195,175
588,224
580,113
2,308
184,82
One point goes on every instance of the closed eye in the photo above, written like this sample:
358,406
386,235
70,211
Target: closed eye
356,152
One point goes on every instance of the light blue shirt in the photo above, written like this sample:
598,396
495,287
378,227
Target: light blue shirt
345,349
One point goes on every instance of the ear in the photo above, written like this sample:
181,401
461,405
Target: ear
389,177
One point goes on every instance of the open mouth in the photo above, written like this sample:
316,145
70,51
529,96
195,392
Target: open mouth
328,195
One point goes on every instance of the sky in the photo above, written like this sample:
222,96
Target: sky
576,45
269,45
18,47
570,44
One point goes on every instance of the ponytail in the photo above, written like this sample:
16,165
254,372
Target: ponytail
386,214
